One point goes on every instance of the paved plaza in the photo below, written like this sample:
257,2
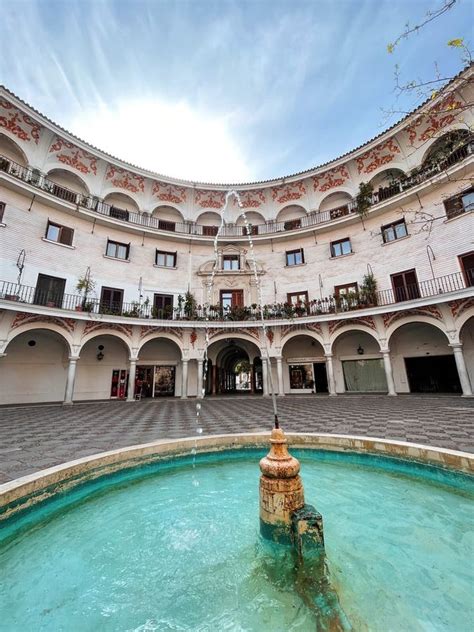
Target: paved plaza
37,437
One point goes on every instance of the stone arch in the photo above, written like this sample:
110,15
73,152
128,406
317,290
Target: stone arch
27,327
253,217
335,200
441,146
385,177
168,213
391,329
35,366
351,328
106,332
234,364
161,335
209,218
123,201
291,212
292,334
463,319
66,178
12,150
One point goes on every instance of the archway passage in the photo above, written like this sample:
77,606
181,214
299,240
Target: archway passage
423,360
234,367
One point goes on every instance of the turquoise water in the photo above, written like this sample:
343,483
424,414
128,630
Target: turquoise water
155,552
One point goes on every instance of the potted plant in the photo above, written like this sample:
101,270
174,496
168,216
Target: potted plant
364,199
189,305
368,290
85,285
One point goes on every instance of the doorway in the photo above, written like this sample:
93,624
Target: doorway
144,382
433,374
320,377
49,291
467,264
405,286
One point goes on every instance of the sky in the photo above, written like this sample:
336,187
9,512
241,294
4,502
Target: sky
222,90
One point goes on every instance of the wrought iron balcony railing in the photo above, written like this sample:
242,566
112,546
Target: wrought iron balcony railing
353,301
314,218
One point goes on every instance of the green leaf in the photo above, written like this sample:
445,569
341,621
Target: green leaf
456,43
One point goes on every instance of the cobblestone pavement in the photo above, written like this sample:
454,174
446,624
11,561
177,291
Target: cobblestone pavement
35,437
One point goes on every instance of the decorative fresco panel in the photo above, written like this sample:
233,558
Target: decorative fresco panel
125,179
18,123
382,154
77,158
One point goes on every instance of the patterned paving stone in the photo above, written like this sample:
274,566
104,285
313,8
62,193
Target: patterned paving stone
35,437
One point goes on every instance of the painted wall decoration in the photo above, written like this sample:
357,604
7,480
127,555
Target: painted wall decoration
153,329
380,155
18,123
251,199
125,180
288,192
77,158
169,192
209,199
459,306
23,318
431,311
331,179
439,116
93,326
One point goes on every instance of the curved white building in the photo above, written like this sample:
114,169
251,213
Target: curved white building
368,293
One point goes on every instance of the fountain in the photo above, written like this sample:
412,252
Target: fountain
123,541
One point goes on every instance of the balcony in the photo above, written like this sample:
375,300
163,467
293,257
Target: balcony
92,203
440,286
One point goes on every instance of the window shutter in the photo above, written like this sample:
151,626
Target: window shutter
66,235
2,210
302,255
453,207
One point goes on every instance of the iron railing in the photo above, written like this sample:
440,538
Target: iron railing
93,203
353,301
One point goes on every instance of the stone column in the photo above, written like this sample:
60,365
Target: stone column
184,380
132,371
71,376
265,377
387,363
330,372
281,388
200,384
462,370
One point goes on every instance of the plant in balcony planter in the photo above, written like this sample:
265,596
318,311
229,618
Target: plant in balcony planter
85,285
300,309
189,305
364,199
368,290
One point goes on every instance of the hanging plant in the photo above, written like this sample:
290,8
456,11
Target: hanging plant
364,199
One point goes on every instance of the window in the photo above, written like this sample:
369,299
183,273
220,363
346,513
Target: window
2,210
117,250
231,262
295,298
393,231
341,247
111,300
467,263
232,298
343,290
49,291
165,259
60,234
459,204
405,286
294,257
163,306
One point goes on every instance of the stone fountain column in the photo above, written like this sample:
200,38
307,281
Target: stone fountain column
284,516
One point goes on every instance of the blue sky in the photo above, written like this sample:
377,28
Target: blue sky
222,90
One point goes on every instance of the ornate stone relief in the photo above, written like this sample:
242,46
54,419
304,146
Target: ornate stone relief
71,155
18,123
125,179
169,192
380,155
331,179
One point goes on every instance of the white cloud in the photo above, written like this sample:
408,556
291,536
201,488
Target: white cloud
173,139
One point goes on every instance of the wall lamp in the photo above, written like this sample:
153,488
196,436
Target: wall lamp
100,355
360,350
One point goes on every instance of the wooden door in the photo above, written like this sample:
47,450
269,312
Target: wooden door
467,264
405,286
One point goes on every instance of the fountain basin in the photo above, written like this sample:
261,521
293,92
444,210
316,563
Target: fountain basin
126,541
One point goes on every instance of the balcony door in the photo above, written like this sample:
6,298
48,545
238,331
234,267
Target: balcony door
49,291
405,286
467,264
111,300
232,298
163,306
